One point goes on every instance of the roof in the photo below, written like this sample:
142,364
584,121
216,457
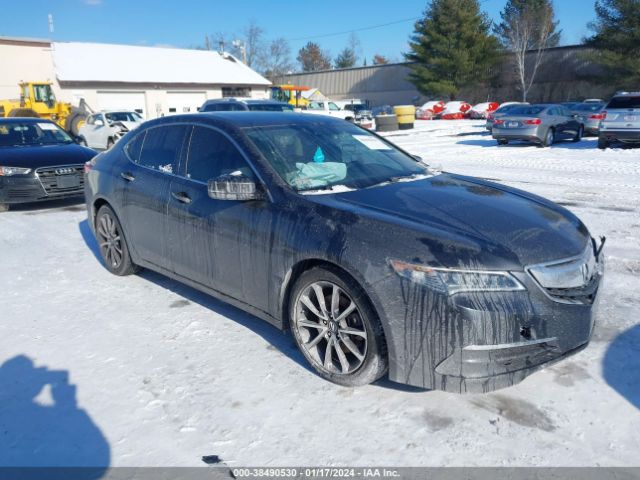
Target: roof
245,119
101,62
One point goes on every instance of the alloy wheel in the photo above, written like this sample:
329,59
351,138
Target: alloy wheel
330,328
110,240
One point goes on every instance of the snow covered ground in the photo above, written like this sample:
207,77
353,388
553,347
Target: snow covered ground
164,375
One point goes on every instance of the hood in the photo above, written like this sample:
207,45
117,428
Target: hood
38,156
465,221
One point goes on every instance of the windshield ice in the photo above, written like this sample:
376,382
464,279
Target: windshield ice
313,156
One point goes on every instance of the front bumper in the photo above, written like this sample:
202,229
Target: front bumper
626,136
44,184
480,342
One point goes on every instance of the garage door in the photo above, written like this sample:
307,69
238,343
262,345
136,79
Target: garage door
123,101
185,102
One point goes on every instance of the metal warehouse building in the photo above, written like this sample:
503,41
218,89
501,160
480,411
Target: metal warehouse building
152,80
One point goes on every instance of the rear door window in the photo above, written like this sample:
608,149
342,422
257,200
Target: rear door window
211,154
624,102
162,146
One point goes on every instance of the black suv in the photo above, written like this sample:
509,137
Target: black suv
242,105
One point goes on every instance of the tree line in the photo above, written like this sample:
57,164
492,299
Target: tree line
272,57
455,45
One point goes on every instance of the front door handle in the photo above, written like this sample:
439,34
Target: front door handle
181,197
127,176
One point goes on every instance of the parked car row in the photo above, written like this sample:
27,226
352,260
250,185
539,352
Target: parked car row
617,121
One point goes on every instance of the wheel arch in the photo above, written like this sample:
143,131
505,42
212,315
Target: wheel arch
305,265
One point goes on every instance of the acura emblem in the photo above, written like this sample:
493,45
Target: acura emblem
64,171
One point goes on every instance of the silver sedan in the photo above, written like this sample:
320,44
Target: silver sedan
590,115
542,124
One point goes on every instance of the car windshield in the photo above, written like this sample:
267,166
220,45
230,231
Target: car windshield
32,133
123,117
316,156
270,107
525,110
624,102
589,107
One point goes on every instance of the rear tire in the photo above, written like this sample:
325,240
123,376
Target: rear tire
113,243
603,144
23,112
549,138
579,134
75,120
342,339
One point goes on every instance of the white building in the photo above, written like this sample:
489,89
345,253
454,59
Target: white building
152,80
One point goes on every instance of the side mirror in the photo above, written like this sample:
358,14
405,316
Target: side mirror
98,123
235,187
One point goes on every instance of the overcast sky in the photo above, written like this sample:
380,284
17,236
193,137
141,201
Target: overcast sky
184,23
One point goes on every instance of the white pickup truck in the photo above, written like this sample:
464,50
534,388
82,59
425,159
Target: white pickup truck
328,108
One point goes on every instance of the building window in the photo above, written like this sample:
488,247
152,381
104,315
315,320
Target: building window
236,92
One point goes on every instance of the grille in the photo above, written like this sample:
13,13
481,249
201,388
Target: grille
582,295
62,179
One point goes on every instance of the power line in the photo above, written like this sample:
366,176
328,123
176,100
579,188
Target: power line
354,30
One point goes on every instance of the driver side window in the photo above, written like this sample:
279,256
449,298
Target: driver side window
211,155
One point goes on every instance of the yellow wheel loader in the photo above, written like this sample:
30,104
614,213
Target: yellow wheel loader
37,100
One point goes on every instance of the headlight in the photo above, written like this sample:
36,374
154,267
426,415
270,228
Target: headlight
8,171
452,281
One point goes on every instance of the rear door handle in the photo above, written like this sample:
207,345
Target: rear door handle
127,176
181,197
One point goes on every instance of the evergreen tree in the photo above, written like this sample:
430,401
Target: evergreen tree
617,41
312,58
452,47
345,59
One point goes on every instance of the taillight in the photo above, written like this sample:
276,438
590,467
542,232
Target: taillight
535,121
88,166
597,116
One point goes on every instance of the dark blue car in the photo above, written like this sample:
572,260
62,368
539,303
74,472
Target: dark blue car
39,161
373,261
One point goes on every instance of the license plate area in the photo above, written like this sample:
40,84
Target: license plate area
513,124
630,118
68,181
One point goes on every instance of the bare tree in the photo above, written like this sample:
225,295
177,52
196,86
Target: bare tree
527,26
253,43
277,60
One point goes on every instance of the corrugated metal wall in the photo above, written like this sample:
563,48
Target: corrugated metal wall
565,75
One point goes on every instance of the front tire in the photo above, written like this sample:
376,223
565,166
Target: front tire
112,243
336,329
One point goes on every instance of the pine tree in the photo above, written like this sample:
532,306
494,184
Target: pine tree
312,58
452,47
617,41
345,59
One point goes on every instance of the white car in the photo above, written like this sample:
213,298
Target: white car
330,109
104,129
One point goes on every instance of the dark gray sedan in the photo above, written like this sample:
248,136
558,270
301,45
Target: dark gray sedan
374,262
542,124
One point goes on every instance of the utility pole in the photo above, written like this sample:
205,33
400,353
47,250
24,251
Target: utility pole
239,44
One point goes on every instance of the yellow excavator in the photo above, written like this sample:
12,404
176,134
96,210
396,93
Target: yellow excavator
37,100
291,94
